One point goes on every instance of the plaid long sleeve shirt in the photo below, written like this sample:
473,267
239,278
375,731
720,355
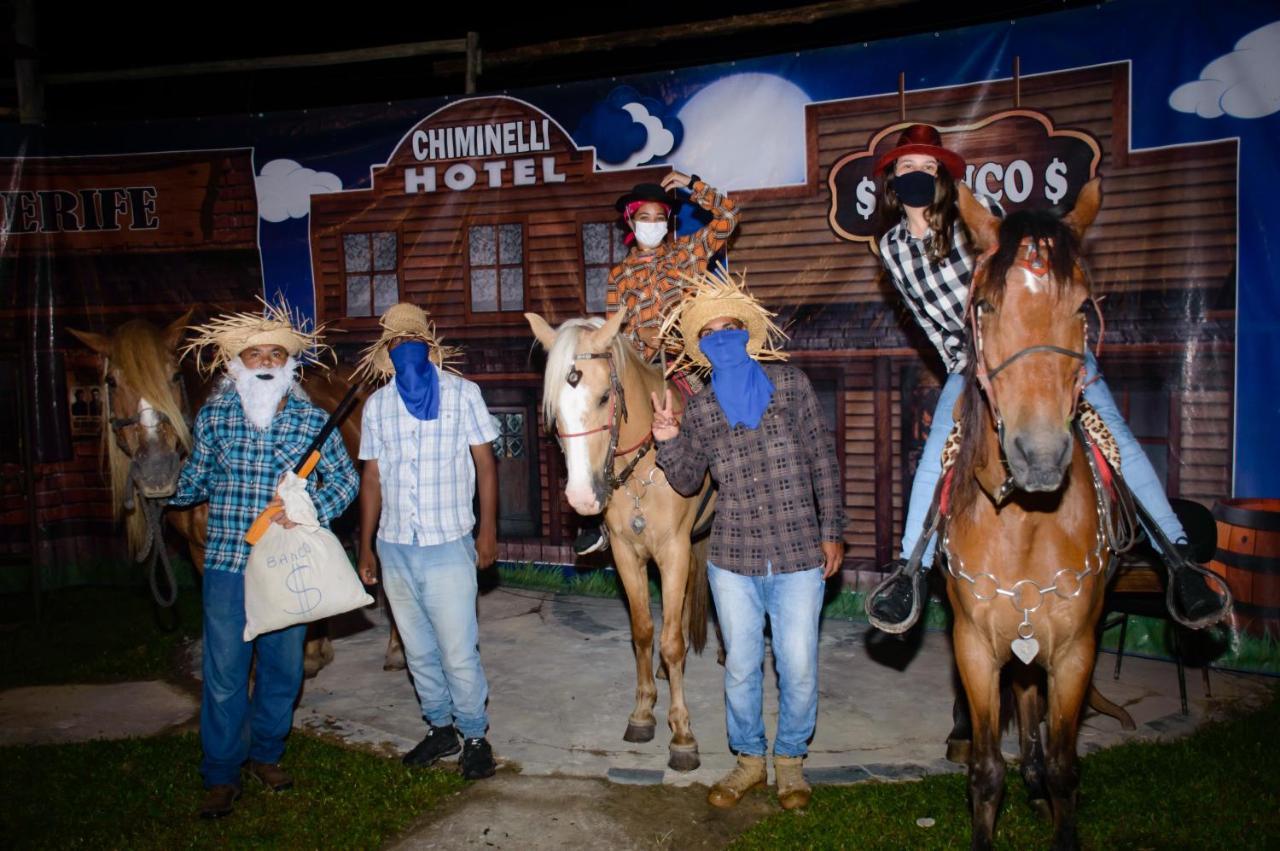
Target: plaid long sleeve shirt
779,483
937,294
647,283
236,468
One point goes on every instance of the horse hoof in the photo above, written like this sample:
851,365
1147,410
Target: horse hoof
1042,808
683,758
310,669
958,751
639,733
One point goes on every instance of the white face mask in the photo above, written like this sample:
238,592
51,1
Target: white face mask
650,234
260,395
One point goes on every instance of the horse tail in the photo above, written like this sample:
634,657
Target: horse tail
695,596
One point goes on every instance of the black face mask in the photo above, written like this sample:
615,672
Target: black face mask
915,188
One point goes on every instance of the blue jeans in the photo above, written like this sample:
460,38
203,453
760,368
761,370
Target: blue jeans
793,602
1135,466
432,591
234,727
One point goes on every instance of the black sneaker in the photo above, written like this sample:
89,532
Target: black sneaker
477,759
440,742
592,539
893,603
1197,600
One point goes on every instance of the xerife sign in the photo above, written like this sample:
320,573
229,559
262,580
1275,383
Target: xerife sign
1016,157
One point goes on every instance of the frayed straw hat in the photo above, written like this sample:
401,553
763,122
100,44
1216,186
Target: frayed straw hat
709,295
404,321
224,337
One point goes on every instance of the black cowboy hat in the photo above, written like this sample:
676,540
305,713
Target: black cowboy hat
647,192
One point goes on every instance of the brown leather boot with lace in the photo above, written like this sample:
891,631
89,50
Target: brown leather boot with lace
745,776
793,789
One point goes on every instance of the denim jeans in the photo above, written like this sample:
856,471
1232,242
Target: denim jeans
234,727
793,602
432,591
1135,466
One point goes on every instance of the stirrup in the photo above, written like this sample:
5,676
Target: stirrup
1170,595
916,604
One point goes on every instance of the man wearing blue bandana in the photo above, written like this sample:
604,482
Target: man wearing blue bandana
425,443
778,532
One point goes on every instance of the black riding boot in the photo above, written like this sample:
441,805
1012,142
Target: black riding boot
592,537
1192,593
895,605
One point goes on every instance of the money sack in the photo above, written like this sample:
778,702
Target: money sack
298,575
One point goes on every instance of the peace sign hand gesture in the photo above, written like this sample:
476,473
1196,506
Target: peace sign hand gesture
665,425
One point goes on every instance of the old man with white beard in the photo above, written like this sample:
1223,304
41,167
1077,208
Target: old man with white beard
256,426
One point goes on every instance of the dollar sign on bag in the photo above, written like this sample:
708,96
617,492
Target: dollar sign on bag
296,582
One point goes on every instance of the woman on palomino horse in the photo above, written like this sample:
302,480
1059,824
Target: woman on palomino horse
778,532
929,256
254,429
650,280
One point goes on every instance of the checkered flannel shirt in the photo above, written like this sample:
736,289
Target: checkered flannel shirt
936,294
647,284
236,468
779,483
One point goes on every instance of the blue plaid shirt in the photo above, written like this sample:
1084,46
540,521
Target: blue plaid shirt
236,468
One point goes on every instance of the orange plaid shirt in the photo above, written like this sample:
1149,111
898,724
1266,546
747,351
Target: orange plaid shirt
647,283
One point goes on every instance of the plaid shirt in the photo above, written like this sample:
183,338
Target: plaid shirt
936,294
647,283
427,474
779,483
236,468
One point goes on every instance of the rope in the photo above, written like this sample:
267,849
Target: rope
154,550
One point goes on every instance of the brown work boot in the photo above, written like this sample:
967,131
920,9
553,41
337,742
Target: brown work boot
746,775
271,775
793,790
218,801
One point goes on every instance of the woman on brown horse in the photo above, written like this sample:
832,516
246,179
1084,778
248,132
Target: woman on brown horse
928,253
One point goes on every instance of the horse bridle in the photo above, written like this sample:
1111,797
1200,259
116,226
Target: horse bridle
119,424
1034,264
618,404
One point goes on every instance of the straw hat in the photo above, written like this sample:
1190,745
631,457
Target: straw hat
220,339
710,295
403,321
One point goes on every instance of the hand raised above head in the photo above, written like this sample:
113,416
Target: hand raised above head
665,424
676,180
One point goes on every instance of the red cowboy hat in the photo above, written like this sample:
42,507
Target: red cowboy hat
922,139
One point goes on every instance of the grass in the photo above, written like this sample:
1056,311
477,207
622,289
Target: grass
93,635
1219,788
144,793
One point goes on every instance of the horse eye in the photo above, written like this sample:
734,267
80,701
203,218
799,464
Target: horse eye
982,305
177,377
604,399
1084,307
111,381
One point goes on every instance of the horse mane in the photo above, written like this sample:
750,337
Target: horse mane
560,361
1062,247
140,353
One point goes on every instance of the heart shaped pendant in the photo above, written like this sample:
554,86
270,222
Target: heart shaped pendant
1025,649
637,524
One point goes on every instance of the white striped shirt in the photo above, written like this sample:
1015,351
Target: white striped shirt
425,466
936,293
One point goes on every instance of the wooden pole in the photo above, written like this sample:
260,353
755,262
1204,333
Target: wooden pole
902,95
882,413
25,65
1017,82
473,62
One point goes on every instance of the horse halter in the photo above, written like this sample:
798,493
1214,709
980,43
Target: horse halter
1032,262
146,418
618,404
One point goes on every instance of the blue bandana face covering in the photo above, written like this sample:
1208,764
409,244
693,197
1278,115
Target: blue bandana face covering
742,388
417,379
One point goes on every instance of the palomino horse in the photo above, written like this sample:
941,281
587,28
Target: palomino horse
147,436
1028,536
596,396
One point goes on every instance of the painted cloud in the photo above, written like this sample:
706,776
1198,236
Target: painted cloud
628,130
1245,83
285,189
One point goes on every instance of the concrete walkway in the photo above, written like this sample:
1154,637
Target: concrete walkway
561,679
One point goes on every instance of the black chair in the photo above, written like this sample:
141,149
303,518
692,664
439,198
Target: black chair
1139,586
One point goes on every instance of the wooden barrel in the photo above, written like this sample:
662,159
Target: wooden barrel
1248,557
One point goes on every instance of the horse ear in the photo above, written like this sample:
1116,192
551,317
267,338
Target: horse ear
1088,202
100,343
983,225
602,337
544,332
173,331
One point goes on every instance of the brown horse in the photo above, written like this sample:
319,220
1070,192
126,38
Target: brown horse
1026,544
596,396
146,437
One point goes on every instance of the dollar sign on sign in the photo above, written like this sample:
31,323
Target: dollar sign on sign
308,597
866,195
1055,181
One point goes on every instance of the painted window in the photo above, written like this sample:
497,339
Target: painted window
371,264
496,260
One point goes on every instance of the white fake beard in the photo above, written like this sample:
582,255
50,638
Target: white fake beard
260,395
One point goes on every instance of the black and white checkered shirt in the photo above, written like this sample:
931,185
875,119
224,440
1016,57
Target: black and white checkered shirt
936,294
